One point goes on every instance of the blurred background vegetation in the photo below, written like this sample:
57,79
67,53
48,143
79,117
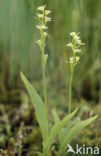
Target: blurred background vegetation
19,52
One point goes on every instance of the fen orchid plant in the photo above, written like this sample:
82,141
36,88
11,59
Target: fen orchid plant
43,19
75,46
41,108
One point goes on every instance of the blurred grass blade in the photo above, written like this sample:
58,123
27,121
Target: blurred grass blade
74,130
39,107
55,130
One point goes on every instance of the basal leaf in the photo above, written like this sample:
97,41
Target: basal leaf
74,130
39,107
55,130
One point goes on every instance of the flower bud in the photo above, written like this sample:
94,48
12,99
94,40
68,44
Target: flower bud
39,42
45,59
77,59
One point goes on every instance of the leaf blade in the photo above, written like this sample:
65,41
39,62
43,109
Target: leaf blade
39,107
57,120
75,129
55,130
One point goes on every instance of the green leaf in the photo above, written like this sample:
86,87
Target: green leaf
39,107
55,130
57,120
55,116
74,130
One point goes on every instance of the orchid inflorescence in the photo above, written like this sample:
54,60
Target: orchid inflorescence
42,26
75,47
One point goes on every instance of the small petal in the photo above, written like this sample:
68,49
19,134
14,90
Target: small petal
44,33
76,38
77,50
43,27
39,42
41,8
40,15
73,34
40,27
69,45
47,19
71,60
47,12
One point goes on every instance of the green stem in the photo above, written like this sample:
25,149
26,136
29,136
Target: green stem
44,83
45,92
70,87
